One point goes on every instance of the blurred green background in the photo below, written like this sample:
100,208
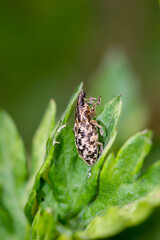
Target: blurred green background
48,47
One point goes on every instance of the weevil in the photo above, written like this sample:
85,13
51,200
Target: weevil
85,129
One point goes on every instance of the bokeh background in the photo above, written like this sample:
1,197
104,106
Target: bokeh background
48,47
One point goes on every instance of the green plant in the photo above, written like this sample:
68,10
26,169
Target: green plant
69,199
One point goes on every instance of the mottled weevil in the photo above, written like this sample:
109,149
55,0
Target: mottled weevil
85,128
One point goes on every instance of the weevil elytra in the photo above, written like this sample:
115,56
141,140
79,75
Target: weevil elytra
85,128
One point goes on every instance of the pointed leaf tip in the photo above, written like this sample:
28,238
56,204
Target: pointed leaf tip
44,131
109,118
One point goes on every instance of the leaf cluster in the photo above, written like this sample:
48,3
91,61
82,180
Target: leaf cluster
68,199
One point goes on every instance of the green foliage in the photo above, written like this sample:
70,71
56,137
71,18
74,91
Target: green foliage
85,200
42,134
69,199
13,174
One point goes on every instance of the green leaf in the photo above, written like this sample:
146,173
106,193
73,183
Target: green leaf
42,176
43,226
44,131
73,189
40,138
120,186
93,202
115,175
13,174
116,219
147,230
66,173
108,118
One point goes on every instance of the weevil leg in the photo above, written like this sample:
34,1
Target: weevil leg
97,125
90,100
101,147
97,103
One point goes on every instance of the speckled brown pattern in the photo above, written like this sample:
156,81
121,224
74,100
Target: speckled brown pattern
85,128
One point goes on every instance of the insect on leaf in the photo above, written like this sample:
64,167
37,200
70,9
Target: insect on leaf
92,202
